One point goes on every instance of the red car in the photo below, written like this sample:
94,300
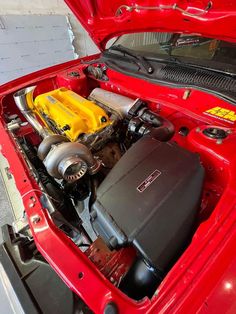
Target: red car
125,163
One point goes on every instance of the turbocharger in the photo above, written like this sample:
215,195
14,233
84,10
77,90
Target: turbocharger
62,158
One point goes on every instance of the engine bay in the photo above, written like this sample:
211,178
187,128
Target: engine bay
127,176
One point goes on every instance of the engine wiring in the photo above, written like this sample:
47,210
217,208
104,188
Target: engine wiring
37,190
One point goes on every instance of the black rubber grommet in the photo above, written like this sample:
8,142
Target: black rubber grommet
184,131
215,133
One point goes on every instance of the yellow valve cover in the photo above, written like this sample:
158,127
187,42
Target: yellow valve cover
68,113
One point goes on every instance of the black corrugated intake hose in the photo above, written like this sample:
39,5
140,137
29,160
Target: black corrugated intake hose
148,123
164,132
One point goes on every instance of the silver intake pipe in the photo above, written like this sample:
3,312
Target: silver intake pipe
22,99
119,103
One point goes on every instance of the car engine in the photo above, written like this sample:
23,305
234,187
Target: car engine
115,182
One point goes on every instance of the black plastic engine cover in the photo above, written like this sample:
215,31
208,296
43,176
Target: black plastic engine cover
150,199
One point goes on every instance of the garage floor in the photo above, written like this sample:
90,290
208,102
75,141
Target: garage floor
6,216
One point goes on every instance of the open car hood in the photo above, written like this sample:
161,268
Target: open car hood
105,19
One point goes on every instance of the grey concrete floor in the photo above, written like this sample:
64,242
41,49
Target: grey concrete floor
6,216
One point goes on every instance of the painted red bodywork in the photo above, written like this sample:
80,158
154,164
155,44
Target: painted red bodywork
204,277
100,20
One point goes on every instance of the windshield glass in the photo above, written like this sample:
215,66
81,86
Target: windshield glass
198,48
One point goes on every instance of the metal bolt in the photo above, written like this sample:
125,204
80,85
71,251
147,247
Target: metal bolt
186,94
36,220
103,119
74,74
81,275
32,202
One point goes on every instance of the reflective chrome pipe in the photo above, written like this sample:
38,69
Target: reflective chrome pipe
23,98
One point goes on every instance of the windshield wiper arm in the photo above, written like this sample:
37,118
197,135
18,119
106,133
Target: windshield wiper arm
140,60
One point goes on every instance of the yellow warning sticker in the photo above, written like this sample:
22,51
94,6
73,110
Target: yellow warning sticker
222,114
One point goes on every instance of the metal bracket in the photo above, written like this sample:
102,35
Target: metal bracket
84,214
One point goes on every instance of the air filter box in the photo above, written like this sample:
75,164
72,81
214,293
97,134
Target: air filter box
150,200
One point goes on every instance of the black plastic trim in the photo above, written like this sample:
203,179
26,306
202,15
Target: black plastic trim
151,78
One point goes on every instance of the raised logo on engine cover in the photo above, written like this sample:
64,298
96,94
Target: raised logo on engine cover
148,181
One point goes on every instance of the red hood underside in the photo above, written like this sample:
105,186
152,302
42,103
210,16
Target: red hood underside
104,19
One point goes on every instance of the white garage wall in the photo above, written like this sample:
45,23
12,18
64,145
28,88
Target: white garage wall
29,43
83,44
